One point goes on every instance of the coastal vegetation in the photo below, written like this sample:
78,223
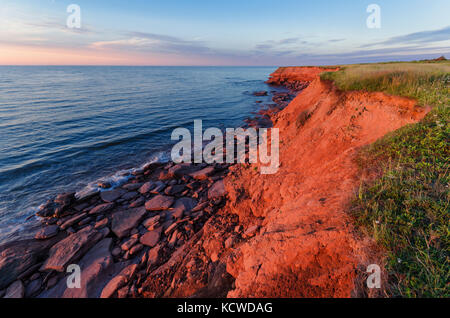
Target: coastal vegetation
406,207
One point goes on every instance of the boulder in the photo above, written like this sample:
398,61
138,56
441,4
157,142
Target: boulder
124,221
73,220
71,249
129,195
132,186
159,202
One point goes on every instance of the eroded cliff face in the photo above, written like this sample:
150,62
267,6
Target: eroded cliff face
288,234
306,245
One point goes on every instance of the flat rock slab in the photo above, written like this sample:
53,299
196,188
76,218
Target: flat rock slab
203,174
124,221
112,195
159,202
70,249
151,238
19,256
16,290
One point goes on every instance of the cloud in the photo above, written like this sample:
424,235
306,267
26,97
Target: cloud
151,42
423,37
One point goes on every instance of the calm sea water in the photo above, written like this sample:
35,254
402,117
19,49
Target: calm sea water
64,128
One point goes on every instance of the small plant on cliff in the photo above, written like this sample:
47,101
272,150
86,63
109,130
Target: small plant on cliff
406,209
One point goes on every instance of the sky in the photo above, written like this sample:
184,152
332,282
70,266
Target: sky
217,32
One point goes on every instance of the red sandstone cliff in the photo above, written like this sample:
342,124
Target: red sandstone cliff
306,245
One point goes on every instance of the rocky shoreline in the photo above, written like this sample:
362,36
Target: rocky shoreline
134,240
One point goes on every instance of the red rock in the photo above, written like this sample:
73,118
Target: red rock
124,221
136,249
151,221
72,221
203,174
159,202
112,195
129,244
153,256
102,208
151,238
70,249
47,232
102,223
119,281
146,187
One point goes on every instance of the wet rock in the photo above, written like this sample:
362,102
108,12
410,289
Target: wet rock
102,208
112,195
65,199
124,221
47,232
217,190
160,202
16,290
71,249
203,174
151,238
104,185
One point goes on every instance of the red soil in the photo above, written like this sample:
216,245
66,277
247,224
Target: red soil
307,246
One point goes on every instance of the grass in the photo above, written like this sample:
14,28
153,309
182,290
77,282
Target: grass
406,208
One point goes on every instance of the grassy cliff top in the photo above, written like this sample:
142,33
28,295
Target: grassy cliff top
406,208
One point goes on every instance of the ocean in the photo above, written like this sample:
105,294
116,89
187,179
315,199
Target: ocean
64,128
